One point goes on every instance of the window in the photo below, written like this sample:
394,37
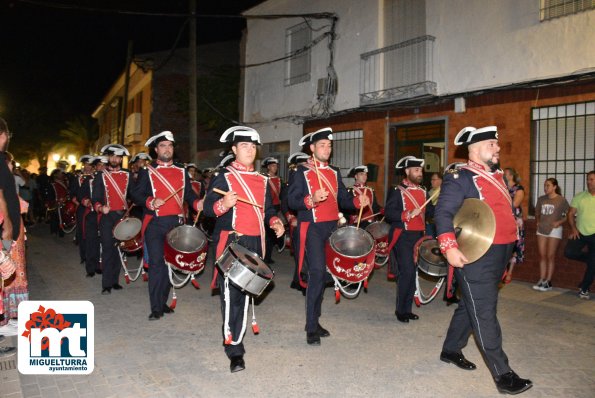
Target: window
563,142
347,151
298,66
551,9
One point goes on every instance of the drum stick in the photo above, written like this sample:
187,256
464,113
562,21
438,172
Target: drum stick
219,191
429,199
196,219
368,217
172,194
361,210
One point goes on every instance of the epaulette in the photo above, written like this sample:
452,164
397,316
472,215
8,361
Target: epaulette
180,165
454,172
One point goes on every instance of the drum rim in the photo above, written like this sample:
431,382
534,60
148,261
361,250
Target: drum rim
373,241
379,223
200,249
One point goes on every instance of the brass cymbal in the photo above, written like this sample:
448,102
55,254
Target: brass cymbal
475,226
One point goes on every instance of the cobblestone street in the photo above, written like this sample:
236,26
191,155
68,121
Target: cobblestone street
549,337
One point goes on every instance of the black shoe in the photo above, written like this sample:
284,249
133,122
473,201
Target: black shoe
153,316
458,359
167,309
90,274
106,291
237,364
402,317
412,316
322,332
295,285
511,383
117,286
313,338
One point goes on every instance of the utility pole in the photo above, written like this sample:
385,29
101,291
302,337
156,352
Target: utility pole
192,94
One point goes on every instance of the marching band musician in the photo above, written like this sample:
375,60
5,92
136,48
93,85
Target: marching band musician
197,186
294,160
109,192
162,179
360,175
316,194
242,223
405,214
91,230
478,281
76,193
138,161
275,185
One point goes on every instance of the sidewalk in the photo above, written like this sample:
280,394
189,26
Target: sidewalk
549,337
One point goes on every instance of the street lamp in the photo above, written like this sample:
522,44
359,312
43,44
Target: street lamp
55,157
71,159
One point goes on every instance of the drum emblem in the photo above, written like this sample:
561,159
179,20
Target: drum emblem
360,267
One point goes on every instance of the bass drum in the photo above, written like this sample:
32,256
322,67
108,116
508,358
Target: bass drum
185,249
350,253
245,269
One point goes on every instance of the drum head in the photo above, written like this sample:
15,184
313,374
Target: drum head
352,242
252,261
430,260
186,239
127,228
378,229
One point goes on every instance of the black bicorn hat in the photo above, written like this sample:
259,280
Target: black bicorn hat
298,157
240,134
409,161
114,149
322,134
357,169
157,138
471,135
269,160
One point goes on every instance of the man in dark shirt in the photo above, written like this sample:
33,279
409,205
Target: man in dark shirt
12,217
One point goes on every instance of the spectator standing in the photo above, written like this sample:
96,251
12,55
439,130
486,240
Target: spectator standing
550,214
517,193
581,218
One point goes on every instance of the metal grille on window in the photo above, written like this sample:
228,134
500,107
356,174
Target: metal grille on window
563,147
551,9
347,152
298,66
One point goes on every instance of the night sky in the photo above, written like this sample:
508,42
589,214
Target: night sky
56,63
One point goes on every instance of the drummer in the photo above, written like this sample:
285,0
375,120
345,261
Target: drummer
91,229
479,280
360,175
76,192
241,223
317,205
271,165
109,193
405,213
138,162
161,189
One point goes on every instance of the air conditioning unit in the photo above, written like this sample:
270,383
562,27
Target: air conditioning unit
133,130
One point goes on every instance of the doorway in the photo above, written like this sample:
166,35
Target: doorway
424,140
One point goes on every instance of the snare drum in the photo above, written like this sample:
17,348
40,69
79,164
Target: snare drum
428,257
350,253
128,232
68,214
379,231
185,249
245,269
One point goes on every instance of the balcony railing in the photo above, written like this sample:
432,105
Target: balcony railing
398,72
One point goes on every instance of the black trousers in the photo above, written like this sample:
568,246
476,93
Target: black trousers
91,243
237,298
80,240
477,309
403,252
318,235
110,258
574,251
271,239
159,284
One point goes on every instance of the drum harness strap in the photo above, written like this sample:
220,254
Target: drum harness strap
227,331
412,199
